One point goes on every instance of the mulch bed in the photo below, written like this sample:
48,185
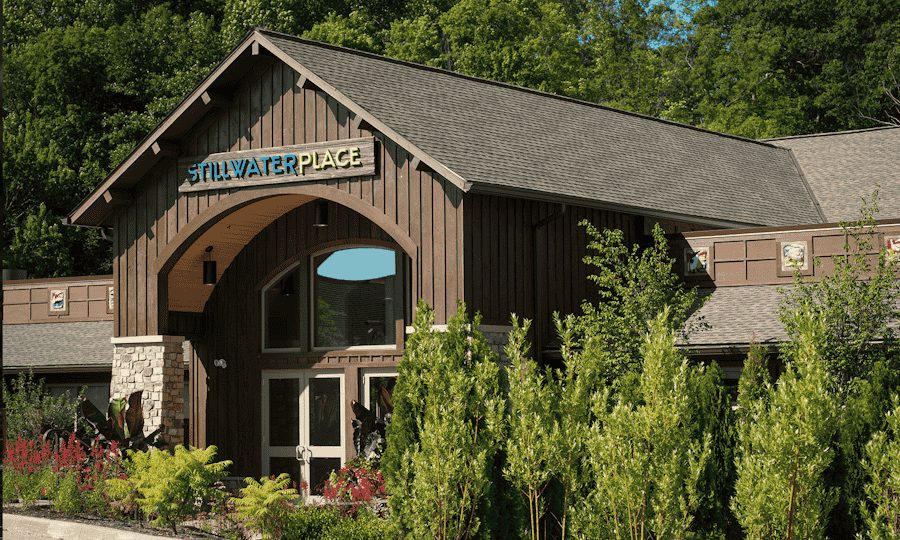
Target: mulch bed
45,511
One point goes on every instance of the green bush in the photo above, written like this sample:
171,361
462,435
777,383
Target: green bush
171,485
264,506
882,513
440,464
646,460
310,522
781,490
364,527
30,412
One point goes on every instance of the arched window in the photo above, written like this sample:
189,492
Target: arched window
337,299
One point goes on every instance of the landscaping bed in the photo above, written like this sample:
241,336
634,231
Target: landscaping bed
191,530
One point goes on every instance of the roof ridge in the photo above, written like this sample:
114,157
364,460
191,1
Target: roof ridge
831,133
525,89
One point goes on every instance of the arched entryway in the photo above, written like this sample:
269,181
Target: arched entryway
230,360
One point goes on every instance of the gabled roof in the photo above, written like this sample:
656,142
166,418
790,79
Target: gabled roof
843,167
57,345
496,138
736,314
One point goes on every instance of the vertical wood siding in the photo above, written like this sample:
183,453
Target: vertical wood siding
228,404
500,245
270,110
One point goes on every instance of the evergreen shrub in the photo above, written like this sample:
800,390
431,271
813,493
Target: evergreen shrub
441,462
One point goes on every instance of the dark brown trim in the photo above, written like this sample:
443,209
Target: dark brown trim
781,229
87,280
91,368
511,192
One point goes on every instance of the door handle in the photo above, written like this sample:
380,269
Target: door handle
301,451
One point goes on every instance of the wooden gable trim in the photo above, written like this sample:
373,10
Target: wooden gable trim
158,143
98,207
365,116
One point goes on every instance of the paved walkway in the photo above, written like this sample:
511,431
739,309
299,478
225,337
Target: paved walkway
16,527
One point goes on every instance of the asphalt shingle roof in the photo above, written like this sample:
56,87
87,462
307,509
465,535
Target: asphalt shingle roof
843,167
735,314
57,344
501,136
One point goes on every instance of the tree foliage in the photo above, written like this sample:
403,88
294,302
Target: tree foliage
857,301
635,286
447,428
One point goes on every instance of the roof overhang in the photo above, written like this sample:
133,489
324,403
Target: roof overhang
218,91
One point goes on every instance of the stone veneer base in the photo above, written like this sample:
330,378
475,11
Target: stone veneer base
153,364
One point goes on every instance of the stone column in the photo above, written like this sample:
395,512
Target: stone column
154,364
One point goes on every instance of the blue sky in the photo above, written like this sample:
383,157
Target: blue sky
359,264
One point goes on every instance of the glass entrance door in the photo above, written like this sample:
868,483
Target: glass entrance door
303,425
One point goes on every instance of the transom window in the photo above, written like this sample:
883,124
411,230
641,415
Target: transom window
339,299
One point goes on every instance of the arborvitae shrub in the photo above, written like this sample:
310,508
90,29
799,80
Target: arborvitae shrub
787,447
440,462
646,460
710,413
881,509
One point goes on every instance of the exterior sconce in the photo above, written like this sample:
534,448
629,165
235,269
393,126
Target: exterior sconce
321,208
287,286
209,268
220,362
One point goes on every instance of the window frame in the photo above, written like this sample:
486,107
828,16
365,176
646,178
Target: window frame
401,269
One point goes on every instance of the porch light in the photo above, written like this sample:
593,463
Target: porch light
209,268
321,213
287,286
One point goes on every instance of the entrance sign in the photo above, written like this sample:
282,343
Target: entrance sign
281,165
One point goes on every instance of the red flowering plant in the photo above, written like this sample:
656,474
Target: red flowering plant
358,484
27,473
70,476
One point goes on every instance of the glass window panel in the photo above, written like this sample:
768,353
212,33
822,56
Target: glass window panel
376,403
284,309
319,472
354,295
98,394
290,465
325,412
284,412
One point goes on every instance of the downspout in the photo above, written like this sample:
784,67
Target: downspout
538,345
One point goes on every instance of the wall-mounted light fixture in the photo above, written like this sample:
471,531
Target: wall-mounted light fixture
220,362
209,268
287,285
321,219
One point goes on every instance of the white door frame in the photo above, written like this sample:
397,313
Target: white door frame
305,451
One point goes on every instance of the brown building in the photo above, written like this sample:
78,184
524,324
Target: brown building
333,188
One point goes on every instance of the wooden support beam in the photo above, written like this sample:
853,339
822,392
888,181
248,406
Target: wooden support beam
360,123
257,50
163,147
215,100
418,165
118,196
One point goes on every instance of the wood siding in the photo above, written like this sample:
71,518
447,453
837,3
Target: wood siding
27,301
751,258
227,401
269,109
503,251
